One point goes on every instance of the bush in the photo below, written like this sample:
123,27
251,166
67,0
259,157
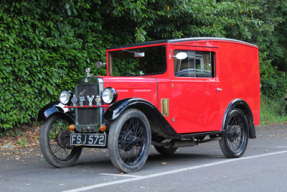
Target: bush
275,86
42,53
272,110
46,45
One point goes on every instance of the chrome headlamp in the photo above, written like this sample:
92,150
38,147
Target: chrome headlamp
65,97
109,95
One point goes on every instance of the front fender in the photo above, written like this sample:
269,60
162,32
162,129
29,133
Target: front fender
52,108
158,123
119,107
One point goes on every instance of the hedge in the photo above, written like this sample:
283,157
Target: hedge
46,45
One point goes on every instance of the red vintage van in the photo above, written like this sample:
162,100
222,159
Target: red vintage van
166,93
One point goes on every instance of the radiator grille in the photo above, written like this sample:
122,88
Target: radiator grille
87,116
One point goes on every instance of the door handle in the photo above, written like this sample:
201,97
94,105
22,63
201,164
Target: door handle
218,89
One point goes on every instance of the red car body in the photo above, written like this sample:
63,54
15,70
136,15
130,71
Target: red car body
168,93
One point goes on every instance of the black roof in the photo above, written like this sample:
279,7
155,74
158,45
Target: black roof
178,40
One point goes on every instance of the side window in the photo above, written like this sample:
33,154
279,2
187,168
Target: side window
197,64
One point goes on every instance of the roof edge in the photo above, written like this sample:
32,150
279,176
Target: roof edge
208,38
180,40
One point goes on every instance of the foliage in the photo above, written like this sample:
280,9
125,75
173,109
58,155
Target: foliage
272,111
23,142
42,53
273,49
274,87
46,45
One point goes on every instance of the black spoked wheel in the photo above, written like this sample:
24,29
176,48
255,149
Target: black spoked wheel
166,150
234,142
129,141
55,142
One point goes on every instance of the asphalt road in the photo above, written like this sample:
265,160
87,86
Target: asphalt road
202,168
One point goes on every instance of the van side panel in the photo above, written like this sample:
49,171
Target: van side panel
239,76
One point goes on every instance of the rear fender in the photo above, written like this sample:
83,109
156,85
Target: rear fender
244,107
158,123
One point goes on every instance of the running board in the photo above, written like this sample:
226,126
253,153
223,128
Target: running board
195,135
184,143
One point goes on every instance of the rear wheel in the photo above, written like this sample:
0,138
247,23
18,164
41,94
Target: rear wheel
55,142
129,141
234,142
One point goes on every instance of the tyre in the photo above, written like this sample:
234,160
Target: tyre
129,141
166,151
55,142
234,142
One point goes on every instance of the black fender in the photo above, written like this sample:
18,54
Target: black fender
244,107
53,108
158,123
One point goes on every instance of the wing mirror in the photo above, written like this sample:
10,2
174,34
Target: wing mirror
179,56
99,64
138,54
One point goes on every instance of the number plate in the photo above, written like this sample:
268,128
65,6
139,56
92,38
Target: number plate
88,139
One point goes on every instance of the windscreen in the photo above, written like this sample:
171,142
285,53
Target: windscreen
136,62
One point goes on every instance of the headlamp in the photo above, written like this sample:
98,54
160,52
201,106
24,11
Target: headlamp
65,97
109,95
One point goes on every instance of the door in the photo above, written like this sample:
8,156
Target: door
195,100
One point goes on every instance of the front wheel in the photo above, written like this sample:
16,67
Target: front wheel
55,142
234,142
129,141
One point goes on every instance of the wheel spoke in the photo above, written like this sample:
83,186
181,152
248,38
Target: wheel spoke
236,134
140,132
127,145
131,151
58,145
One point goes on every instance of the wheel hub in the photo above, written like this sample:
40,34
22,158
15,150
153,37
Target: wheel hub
63,138
233,133
129,141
